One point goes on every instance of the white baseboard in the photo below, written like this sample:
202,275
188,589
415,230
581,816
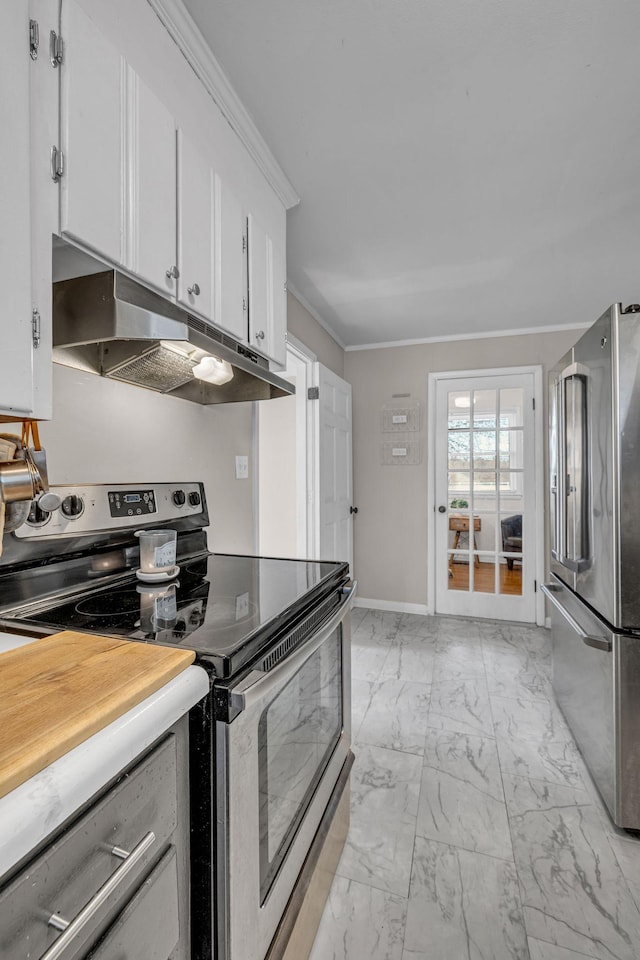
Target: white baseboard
392,605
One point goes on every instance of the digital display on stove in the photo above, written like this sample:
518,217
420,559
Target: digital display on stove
131,503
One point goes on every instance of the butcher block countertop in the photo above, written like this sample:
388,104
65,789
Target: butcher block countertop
57,692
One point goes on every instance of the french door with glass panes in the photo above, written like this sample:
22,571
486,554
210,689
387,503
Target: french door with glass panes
485,497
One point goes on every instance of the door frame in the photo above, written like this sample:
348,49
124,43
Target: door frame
539,489
305,442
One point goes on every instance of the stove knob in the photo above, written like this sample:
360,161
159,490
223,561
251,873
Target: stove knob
178,497
72,506
194,498
37,516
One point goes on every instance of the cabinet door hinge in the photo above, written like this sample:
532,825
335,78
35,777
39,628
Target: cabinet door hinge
56,49
244,244
313,393
57,163
35,327
34,39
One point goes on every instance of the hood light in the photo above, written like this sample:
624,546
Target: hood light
213,370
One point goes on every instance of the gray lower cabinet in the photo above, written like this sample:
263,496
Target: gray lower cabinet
113,882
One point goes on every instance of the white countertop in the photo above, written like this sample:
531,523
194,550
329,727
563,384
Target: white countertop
33,810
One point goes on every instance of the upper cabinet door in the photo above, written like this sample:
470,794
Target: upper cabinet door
267,295
151,208
231,262
195,228
92,130
15,237
260,292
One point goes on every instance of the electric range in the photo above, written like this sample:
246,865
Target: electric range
271,741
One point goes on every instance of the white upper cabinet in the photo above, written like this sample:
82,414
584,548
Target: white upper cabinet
28,199
196,228
151,175
92,132
157,182
231,262
267,294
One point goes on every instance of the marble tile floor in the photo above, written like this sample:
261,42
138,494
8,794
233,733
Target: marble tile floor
476,832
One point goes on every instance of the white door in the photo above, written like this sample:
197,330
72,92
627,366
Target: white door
334,486
485,502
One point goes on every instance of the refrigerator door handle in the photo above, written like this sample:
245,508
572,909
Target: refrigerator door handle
599,643
573,477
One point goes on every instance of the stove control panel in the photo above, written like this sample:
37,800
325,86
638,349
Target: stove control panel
91,508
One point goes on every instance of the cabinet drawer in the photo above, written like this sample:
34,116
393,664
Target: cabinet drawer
148,928
68,874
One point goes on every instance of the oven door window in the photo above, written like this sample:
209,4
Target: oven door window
298,732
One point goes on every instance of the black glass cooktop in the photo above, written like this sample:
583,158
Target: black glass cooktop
227,608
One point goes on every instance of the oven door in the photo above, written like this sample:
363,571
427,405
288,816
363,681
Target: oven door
281,758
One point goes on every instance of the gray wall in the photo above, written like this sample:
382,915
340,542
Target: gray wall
390,530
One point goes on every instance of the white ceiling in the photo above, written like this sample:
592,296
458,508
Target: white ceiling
465,166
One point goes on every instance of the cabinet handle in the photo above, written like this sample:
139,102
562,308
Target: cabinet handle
71,928
194,290
172,273
260,335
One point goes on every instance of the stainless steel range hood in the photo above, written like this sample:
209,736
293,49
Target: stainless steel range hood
109,324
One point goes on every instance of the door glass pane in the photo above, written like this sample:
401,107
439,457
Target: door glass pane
459,409
458,572
484,483
511,550
484,409
484,573
511,407
459,449
484,534
297,734
510,576
511,449
484,449
459,487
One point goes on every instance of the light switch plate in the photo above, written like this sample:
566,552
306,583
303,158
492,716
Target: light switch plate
242,468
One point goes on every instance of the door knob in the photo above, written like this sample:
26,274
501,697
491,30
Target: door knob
353,509
260,335
194,290
172,273
442,509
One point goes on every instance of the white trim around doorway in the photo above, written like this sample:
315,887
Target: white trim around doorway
539,472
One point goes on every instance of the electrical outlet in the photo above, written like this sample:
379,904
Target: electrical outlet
242,468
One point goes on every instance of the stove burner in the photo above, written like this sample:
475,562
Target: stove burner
108,605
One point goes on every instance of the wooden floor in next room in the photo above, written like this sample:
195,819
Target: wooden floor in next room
476,832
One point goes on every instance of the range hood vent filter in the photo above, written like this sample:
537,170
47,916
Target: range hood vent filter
159,369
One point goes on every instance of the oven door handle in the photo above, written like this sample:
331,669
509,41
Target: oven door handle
257,684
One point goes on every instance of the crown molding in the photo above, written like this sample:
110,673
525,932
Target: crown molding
489,335
184,31
314,313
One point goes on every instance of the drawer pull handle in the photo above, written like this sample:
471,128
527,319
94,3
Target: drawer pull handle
71,928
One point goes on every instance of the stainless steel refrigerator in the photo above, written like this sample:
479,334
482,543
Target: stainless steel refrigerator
594,589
